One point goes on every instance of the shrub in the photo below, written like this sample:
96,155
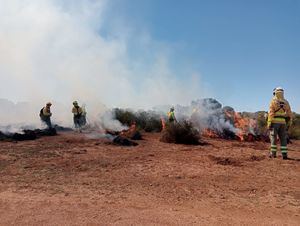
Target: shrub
126,117
148,121
294,131
261,123
153,125
180,133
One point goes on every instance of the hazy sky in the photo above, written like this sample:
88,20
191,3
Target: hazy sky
145,52
241,48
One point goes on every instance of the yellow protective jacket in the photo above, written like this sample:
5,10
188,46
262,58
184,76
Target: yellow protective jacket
280,111
77,111
46,111
171,115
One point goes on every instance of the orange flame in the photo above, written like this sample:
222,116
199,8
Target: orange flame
210,133
244,125
130,130
163,123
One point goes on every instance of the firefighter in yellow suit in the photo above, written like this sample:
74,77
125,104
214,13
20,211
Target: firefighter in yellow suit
45,115
77,116
279,120
171,115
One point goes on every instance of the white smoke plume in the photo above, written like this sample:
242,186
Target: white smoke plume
206,113
52,50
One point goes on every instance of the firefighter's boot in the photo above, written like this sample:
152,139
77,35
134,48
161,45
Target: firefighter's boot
284,156
273,154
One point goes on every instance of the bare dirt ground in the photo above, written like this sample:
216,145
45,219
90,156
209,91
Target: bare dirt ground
72,180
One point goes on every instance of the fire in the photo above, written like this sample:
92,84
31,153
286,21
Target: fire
244,129
132,129
210,133
163,123
244,125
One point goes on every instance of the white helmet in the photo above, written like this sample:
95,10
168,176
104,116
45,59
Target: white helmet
278,89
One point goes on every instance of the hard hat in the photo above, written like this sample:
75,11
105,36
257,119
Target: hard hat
75,103
278,90
48,104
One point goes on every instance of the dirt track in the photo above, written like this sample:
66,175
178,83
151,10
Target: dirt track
72,180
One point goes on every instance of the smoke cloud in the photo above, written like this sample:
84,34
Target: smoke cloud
57,51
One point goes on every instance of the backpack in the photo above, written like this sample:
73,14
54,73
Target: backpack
281,105
41,112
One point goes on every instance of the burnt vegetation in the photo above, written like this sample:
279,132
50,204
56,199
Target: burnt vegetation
27,134
181,133
122,141
32,134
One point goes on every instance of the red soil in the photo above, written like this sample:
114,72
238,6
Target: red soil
72,180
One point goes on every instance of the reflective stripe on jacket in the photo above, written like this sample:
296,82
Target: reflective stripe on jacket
171,115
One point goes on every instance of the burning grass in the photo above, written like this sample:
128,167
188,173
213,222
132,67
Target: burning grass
180,133
242,127
224,134
229,135
211,119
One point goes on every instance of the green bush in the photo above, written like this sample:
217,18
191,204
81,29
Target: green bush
153,125
147,121
126,117
261,123
294,131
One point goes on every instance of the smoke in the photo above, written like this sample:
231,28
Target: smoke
208,113
58,51
15,116
109,122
